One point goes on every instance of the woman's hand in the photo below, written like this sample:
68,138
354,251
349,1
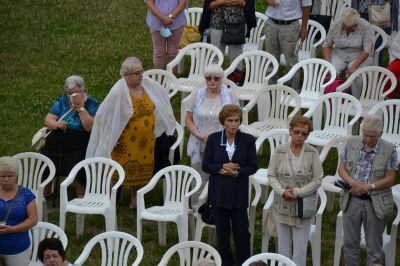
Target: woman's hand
78,100
272,2
288,194
229,169
62,125
5,229
235,3
166,20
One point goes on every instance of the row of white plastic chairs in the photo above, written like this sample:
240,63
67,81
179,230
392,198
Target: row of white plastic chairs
117,248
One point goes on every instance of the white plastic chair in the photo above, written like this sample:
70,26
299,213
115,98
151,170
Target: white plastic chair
179,142
315,231
378,32
259,67
166,79
177,187
389,240
329,180
272,259
314,71
333,7
254,198
374,79
31,168
115,249
340,112
308,48
41,231
100,194
255,41
389,111
276,102
190,253
193,16
275,138
201,55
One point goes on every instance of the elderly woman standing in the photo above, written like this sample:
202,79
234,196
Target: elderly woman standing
203,107
166,19
349,45
66,145
288,186
217,14
230,158
135,112
18,214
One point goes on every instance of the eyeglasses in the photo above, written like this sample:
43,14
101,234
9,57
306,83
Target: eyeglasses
213,78
300,133
137,73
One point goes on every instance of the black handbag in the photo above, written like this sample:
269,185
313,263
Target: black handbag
234,34
161,152
206,213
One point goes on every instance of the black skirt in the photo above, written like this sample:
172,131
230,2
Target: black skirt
66,149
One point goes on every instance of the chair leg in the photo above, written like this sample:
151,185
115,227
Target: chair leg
330,201
45,211
162,233
139,229
338,241
192,225
63,216
80,223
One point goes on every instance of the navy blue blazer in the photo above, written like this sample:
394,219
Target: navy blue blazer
227,191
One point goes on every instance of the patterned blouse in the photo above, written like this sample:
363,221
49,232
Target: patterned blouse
226,15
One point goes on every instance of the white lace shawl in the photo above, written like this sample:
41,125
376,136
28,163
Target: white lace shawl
116,110
193,148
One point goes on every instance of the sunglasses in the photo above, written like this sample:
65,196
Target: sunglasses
300,133
137,73
213,78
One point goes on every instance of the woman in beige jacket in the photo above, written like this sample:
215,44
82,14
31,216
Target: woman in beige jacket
293,231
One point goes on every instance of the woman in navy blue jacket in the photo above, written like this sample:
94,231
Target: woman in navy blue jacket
230,157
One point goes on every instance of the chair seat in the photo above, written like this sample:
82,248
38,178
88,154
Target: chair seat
307,99
248,90
322,137
88,205
169,212
328,184
261,176
257,128
189,84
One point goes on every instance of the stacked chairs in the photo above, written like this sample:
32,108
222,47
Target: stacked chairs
166,79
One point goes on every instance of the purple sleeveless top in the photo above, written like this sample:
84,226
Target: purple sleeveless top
165,7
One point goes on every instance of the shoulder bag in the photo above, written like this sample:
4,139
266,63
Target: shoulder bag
379,15
9,209
206,213
307,205
324,20
233,34
39,139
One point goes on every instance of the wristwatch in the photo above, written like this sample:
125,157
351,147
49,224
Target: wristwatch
171,16
373,186
235,174
81,109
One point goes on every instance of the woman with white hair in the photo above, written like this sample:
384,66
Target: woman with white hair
18,214
135,112
201,120
349,45
66,145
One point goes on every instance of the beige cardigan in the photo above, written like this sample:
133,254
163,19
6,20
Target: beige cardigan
309,178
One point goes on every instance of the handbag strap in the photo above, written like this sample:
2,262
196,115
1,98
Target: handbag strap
61,118
291,167
12,204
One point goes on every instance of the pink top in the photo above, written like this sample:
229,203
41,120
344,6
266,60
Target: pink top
165,7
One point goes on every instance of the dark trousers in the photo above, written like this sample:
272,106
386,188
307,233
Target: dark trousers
237,221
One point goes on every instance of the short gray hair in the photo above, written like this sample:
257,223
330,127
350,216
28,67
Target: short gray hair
214,69
350,16
127,65
372,122
8,163
74,81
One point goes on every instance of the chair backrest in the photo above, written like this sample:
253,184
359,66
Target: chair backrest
258,30
44,230
99,172
333,7
201,55
315,73
275,138
378,32
260,66
389,111
192,253
116,248
339,109
31,168
166,79
311,42
279,102
193,16
339,144
271,259
374,79
178,142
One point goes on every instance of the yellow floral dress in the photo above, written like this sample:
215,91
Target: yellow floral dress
135,147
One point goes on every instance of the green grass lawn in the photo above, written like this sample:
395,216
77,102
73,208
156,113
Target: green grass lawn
43,42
